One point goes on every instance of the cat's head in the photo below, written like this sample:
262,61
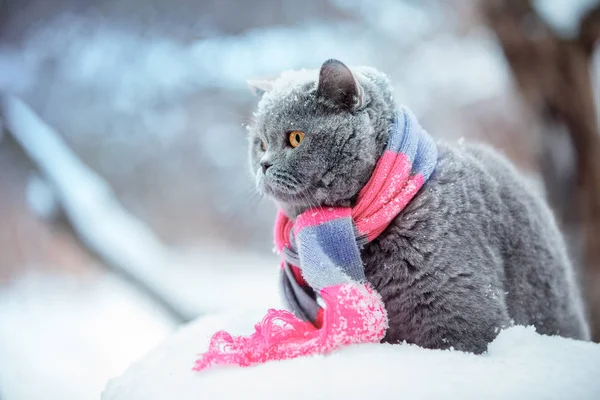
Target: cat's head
318,134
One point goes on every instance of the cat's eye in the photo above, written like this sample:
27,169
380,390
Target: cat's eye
263,146
295,138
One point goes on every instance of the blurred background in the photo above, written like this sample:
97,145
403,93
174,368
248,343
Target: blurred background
126,206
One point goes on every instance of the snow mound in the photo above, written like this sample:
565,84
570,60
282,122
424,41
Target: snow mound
62,337
519,364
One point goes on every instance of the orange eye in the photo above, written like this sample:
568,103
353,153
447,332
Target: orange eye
263,146
295,138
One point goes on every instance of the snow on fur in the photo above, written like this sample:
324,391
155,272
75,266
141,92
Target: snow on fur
519,364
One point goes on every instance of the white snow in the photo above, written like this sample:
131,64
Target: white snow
70,335
519,364
63,339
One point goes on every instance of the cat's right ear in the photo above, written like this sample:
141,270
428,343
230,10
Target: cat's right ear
338,84
258,87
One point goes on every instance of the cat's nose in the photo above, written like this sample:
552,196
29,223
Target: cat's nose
265,166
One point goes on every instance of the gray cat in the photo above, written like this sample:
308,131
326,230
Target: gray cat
476,250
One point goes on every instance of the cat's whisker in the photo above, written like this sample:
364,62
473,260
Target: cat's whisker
306,199
317,203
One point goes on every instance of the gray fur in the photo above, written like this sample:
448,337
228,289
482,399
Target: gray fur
475,251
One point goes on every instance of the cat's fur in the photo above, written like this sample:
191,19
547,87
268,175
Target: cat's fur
475,251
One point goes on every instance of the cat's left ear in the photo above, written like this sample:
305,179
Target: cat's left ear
258,87
338,83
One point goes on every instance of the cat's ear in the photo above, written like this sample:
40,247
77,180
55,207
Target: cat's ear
338,83
258,87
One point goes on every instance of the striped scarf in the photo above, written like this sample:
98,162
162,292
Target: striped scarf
321,262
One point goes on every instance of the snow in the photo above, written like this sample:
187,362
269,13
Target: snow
519,364
70,335
63,339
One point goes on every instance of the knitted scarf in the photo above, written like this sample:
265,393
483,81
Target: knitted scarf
321,263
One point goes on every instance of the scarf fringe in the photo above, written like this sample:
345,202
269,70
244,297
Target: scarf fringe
353,313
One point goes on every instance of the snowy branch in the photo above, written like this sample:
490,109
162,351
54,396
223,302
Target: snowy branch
123,241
